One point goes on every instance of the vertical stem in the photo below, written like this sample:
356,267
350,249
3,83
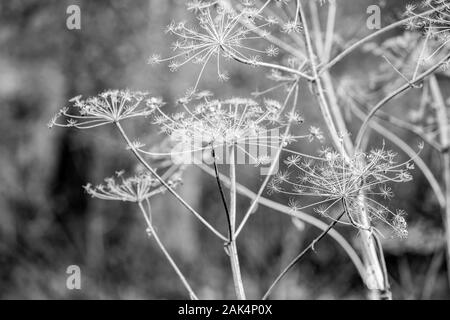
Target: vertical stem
326,77
317,83
166,253
222,195
375,279
444,131
232,248
329,34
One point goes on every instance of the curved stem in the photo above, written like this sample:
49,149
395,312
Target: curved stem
351,48
164,183
445,140
278,207
409,151
402,124
392,95
166,253
300,256
222,195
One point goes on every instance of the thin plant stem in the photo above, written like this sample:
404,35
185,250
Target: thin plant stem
395,93
164,183
317,31
317,83
386,293
432,275
222,195
360,42
329,34
300,256
273,165
232,248
409,151
399,123
326,77
444,130
422,52
158,241
268,65
302,216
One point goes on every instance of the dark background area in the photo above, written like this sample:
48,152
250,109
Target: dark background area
47,221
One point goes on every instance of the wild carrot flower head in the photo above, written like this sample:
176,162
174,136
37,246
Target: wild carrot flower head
236,122
220,33
108,107
136,188
346,184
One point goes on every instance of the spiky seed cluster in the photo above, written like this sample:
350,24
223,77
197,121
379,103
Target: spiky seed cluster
133,189
436,25
345,184
108,107
221,33
225,123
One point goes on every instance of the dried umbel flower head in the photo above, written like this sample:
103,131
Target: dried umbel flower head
218,124
349,185
133,189
434,25
221,33
108,107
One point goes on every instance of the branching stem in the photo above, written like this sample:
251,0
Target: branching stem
164,183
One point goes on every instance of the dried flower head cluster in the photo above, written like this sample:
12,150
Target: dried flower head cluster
435,25
226,32
108,107
346,185
221,33
136,188
236,122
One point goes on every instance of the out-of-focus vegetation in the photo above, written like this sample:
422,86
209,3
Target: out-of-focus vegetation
47,221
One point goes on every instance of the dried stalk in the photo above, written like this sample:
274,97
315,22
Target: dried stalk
444,130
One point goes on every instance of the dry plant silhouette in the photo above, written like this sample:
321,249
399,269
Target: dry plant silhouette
348,183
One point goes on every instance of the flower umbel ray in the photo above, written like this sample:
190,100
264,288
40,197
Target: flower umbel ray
136,188
108,107
335,183
234,122
220,35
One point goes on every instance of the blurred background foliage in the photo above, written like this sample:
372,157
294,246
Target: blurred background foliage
47,222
